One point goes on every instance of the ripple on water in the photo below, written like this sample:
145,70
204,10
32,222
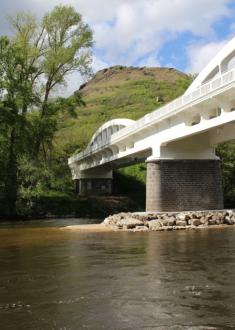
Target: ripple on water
51,279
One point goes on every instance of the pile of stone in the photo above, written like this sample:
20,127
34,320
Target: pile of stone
144,221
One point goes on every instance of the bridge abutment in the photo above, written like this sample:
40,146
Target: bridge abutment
183,185
94,186
96,182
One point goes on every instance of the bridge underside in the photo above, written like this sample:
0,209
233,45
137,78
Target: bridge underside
171,185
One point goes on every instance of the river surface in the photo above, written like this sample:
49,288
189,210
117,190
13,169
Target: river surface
52,278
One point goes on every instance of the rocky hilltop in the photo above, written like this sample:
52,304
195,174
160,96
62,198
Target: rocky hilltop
119,75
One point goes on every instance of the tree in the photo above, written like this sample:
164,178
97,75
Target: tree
33,62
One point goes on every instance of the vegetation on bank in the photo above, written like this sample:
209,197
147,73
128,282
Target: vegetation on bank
33,62
38,132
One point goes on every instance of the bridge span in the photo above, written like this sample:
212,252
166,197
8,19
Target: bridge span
177,141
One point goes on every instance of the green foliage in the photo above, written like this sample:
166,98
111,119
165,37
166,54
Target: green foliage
33,62
116,99
131,181
226,152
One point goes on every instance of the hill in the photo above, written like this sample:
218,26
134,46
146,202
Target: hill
119,92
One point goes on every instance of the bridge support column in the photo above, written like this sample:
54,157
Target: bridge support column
183,185
96,182
87,187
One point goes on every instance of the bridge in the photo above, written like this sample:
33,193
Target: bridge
177,141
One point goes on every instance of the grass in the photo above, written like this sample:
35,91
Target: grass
120,93
116,98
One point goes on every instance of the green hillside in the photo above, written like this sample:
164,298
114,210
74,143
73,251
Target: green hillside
119,92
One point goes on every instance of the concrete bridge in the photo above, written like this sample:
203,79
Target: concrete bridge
177,141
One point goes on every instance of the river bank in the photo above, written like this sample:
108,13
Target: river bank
159,221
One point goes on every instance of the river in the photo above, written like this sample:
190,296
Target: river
52,278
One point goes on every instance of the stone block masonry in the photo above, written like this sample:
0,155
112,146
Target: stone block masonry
183,185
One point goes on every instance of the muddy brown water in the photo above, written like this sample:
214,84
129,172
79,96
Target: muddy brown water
52,278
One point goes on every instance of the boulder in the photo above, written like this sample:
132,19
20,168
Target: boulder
130,223
211,222
204,221
229,213
141,228
155,225
217,218
194,222
168,222
181,223
181,217
195,215
113,220
228,221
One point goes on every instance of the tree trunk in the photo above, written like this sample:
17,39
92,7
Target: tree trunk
11,186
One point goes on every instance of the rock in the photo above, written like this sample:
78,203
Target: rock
228,221
141,228
194,222
168,222
211,222
181,223
113,220
130,223
217,218
152,217
229,213
208,216
204,221
154,224
178,227
181,217
168,228
195,215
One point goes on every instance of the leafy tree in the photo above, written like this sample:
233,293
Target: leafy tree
33,62
226,152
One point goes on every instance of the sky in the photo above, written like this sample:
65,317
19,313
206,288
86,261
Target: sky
183,34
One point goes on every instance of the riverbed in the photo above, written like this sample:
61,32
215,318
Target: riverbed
51,278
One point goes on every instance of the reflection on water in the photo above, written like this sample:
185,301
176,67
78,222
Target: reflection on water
56,279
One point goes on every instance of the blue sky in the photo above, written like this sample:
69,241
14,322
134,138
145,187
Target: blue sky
184,34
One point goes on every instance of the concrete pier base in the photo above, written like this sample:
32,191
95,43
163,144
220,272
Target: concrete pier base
96,187
183,185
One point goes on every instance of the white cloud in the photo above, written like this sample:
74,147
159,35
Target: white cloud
150,61
141,27
98,64
131,32
199,55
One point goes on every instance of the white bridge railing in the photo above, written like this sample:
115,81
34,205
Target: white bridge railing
159,114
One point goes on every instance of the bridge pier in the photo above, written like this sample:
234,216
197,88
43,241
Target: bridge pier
93,186
183,184
96,182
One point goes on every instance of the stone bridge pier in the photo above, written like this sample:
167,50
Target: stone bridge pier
188,180
183,185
